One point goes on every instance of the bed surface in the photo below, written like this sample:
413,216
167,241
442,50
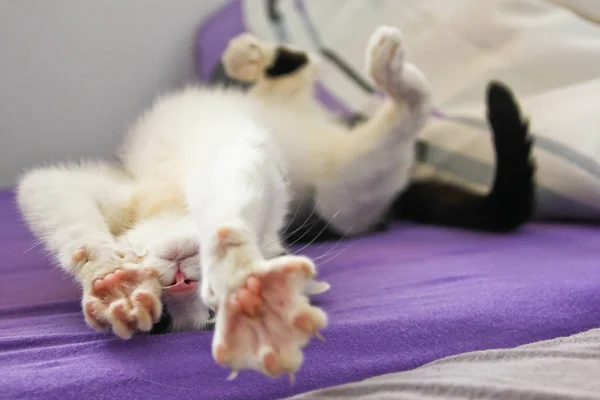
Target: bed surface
398,300
532,371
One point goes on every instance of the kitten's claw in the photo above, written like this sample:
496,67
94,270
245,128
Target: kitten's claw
124,297
264,324
232,375
314,288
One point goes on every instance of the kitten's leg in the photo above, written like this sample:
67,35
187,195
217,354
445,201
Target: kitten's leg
263,318
277,70
373,163
74,211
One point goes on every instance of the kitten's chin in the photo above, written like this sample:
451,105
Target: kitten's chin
188,312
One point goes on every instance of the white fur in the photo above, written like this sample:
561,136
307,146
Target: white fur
70,207
213,146
224,155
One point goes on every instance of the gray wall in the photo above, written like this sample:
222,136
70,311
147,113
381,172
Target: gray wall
74,73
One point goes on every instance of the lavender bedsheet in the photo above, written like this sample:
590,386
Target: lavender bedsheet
398,300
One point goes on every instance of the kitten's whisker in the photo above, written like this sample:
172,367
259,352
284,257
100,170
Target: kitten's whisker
171,286
327,253
134,252
331,250
293,217
337,254
33,246
283,239
125,250
319,234
130,252
138,258
286,236
308,227
168,267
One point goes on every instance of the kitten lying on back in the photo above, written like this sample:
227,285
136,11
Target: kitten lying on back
206,180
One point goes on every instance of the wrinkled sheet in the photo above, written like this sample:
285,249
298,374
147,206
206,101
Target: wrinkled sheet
399,299
563,368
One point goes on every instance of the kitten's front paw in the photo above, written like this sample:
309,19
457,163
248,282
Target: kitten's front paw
245,58
119,295
265,324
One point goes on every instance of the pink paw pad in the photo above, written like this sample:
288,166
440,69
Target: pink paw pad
127,299
110,280
271,364
79,256
265,324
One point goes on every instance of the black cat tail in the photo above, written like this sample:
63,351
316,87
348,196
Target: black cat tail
510,202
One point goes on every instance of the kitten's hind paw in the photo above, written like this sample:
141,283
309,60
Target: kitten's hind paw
385,62
385,57
265,324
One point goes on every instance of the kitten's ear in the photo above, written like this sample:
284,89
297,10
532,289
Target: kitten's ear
316,287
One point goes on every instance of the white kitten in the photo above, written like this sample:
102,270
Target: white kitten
203,191
212,146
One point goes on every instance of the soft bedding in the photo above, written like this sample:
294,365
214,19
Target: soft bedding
399,299
565,368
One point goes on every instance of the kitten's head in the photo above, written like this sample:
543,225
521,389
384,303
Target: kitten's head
170,243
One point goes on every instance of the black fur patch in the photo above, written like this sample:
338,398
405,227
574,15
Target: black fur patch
286,62
511,200
164,325
211,326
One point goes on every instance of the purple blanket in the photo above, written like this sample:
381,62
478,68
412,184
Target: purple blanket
398,300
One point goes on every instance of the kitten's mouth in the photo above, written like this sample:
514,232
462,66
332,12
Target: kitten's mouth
182,284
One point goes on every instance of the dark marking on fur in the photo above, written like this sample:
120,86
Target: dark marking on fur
510,202
164,324
211,326
286,62
508,205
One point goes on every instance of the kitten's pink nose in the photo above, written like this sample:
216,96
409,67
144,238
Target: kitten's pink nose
182,284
